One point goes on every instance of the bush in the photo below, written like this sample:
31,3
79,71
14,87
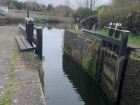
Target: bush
10,19
2,15
132,21
82,13
126,13
104,16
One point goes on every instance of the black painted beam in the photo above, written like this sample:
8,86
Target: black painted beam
103,37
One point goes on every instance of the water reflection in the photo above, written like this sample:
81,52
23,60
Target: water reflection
89,91
58,88
65,82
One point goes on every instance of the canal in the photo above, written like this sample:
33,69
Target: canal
65,83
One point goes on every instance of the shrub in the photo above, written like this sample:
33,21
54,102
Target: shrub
104,16
82,13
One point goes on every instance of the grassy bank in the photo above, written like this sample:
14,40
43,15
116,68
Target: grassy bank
7,20
39,13
49,20
132,38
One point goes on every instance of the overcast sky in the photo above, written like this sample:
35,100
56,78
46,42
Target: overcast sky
58,2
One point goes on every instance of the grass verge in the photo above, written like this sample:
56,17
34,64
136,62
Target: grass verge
6,99
132,38
34,12
33,60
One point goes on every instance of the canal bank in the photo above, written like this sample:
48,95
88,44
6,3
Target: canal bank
17,20
81,47
19,83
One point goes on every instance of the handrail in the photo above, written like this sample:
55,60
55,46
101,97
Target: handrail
103,37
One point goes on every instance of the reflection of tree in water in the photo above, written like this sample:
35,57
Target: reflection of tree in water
84,84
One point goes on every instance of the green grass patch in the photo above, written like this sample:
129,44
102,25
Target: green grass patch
132,38
6,99
105,32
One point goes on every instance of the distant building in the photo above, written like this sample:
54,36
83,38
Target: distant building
3,8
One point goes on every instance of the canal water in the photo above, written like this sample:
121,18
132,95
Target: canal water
65,83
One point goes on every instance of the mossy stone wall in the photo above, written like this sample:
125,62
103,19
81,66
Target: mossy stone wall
83,49
131,84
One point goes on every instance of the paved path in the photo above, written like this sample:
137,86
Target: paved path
27,88
133,46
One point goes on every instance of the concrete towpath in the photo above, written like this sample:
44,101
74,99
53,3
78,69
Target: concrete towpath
27,89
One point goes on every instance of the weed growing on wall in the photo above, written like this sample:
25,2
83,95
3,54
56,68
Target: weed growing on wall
35,62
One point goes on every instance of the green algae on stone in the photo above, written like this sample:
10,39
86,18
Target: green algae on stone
87,61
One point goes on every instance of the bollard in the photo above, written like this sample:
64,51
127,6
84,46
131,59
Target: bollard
26,24
117,34
30,27
39,41
111,30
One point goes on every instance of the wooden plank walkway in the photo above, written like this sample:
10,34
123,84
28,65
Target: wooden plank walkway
23,43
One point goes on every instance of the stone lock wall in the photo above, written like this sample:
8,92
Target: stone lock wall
130,94
83,49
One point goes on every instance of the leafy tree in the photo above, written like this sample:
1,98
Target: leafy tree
43,7
82,13
104,16
11,6
18,5
49,7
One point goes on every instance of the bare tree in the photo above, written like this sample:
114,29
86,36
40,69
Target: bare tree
67,6
87,3
3,1
35,6
67,3
29,5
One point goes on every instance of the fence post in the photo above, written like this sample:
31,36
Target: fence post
39,41
30,27
124,40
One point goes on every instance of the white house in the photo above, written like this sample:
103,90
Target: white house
3,8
